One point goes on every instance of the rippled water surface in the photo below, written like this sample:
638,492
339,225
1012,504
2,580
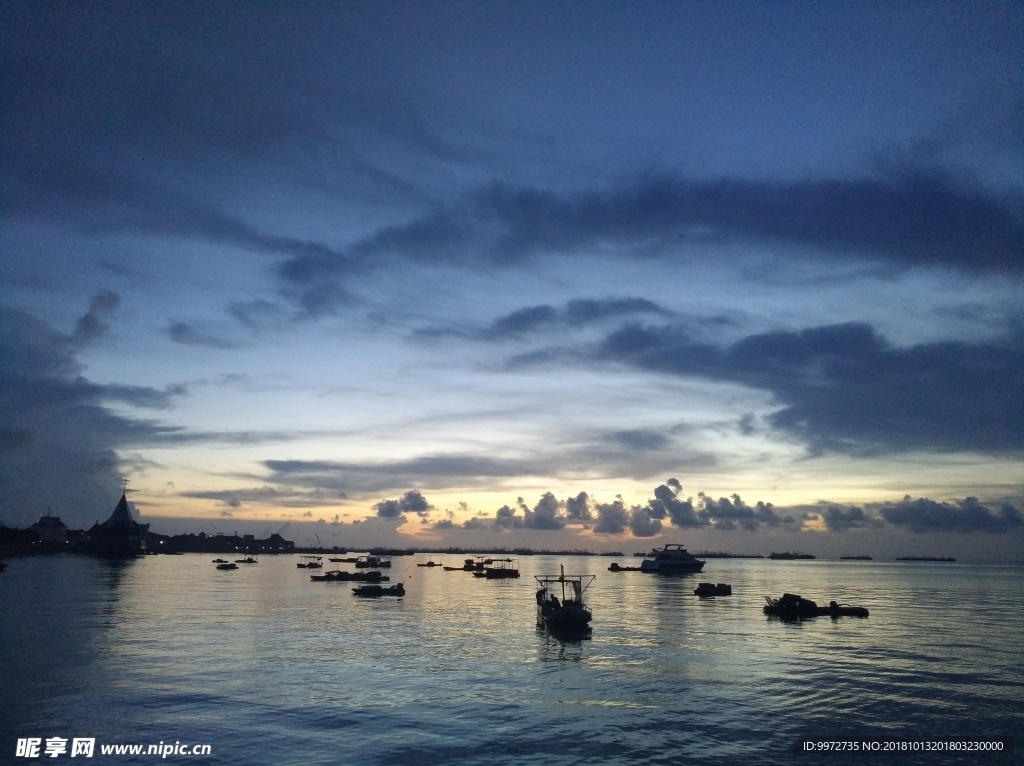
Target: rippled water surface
268,667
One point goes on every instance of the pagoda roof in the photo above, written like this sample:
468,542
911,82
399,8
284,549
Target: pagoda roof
121,518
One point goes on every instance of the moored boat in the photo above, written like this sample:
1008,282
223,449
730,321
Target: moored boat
374,591
499,569
672,559
227,565
711,589
615,566
339,575
794,607
311,562
373,561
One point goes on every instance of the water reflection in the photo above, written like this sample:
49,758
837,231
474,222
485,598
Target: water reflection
457,671
112,572
555,647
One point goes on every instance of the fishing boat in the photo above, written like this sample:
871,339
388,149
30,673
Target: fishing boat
227,565
431,563
794,607
250,559
568,614
311,562
373,561
220,561
499,569
672,559
375,591
338,575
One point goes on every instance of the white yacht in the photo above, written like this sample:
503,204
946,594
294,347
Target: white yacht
672,559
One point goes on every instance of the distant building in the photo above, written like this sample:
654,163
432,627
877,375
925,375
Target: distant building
51,530
218,543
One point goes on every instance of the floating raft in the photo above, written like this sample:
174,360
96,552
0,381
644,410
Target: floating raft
709,589
616,567
793,607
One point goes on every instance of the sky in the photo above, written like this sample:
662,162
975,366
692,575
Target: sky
745,276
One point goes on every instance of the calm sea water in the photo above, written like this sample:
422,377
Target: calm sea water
268,667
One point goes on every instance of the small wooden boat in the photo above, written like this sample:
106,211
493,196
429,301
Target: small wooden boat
250,559
227,565
431,563
375,591
793,607
615,566
711,589
570,614
220,561
311,562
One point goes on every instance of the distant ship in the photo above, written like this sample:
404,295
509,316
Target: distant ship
672,559
925,558
855,558
790,556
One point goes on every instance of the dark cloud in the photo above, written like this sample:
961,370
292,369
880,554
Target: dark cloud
840,519
427,471
844,388
666,504
575,313
411,502
642,523
257,314
100,127
612,518
545,514
967,515
506,517
188,335
58,436
577,509
640,439
913,219
91,324
523,321
269,496
727,513
533,320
